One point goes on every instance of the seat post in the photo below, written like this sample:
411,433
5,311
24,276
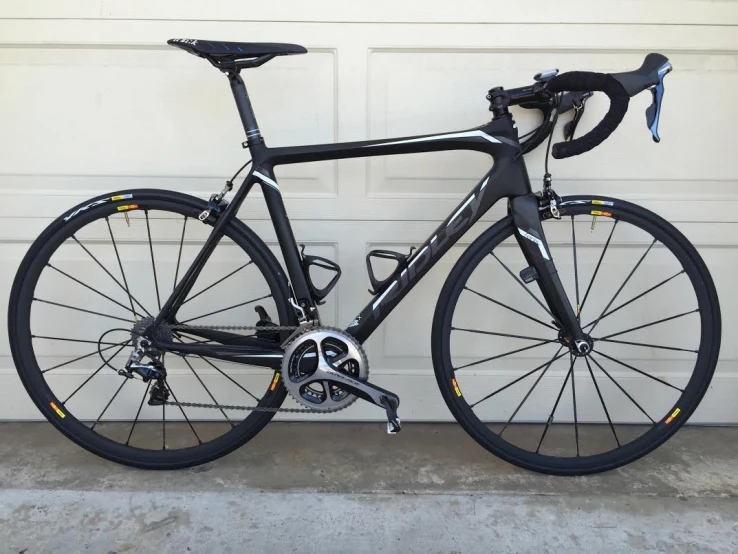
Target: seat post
253,135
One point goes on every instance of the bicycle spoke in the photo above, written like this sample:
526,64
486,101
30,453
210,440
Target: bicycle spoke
179,256
576,267
125,289
169,388
639,371
574,401
163,426
120,263
217,282
505,354
153,263
92,289
228,377
526,289
104,364
531,372
83,310
550,419
479,331
511,309
87,355
76,340
635,298
226,309
148,386
108,404
215,367
623,285
659,346
538,380
602,401
649,324
597,267
622,389
210,394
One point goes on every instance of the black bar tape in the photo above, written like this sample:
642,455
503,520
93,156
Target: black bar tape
588,81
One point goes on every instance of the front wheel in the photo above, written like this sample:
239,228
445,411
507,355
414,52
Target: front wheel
643,296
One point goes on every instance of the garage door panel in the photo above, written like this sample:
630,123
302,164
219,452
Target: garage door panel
106,110
93,100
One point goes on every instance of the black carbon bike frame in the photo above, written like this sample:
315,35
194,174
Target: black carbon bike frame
508,178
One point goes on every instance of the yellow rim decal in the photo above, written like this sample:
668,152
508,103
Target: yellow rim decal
127,207
593,212
456,387
672,416
121,197
57,410
274,382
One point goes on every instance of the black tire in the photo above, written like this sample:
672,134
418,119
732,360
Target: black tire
459,400
22,345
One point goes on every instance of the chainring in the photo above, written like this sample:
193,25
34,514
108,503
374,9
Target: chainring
340,350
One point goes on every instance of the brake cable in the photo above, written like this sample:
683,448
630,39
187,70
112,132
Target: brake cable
215,199
548,192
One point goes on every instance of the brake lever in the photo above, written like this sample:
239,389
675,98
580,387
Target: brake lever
579,106
654,110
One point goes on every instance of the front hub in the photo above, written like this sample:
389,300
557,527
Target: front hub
579,348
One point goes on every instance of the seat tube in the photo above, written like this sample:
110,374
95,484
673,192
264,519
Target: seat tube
287,242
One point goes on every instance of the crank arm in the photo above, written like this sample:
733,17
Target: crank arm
362,389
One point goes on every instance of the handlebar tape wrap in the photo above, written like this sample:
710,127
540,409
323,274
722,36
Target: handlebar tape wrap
587,81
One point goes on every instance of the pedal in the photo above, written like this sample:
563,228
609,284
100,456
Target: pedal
394,425
528,275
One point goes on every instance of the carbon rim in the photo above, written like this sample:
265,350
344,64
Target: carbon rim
566,414
153,239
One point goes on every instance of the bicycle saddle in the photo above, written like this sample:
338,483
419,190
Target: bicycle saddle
218,50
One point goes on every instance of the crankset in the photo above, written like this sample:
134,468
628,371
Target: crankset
327,369
323,368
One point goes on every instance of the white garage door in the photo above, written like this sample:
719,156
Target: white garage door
92,100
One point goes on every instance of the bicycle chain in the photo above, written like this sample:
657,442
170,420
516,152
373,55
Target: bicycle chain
233,406
237,327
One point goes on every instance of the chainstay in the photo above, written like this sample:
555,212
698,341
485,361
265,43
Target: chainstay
242,408
183,327
232,406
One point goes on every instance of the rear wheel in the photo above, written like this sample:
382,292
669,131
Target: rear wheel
94,276
645,298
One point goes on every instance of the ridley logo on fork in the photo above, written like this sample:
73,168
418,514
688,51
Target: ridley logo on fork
526,215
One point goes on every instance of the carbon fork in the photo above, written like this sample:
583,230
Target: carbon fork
532,240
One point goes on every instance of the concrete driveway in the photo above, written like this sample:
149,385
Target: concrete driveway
351,488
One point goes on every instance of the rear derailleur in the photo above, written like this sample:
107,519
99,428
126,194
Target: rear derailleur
153,370
159,393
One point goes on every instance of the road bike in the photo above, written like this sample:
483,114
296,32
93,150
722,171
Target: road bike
127,308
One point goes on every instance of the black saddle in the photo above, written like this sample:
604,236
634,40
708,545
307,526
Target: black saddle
236,55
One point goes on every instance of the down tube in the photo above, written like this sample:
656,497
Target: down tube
508,178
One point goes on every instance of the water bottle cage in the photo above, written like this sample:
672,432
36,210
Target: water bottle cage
401,259
308,261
